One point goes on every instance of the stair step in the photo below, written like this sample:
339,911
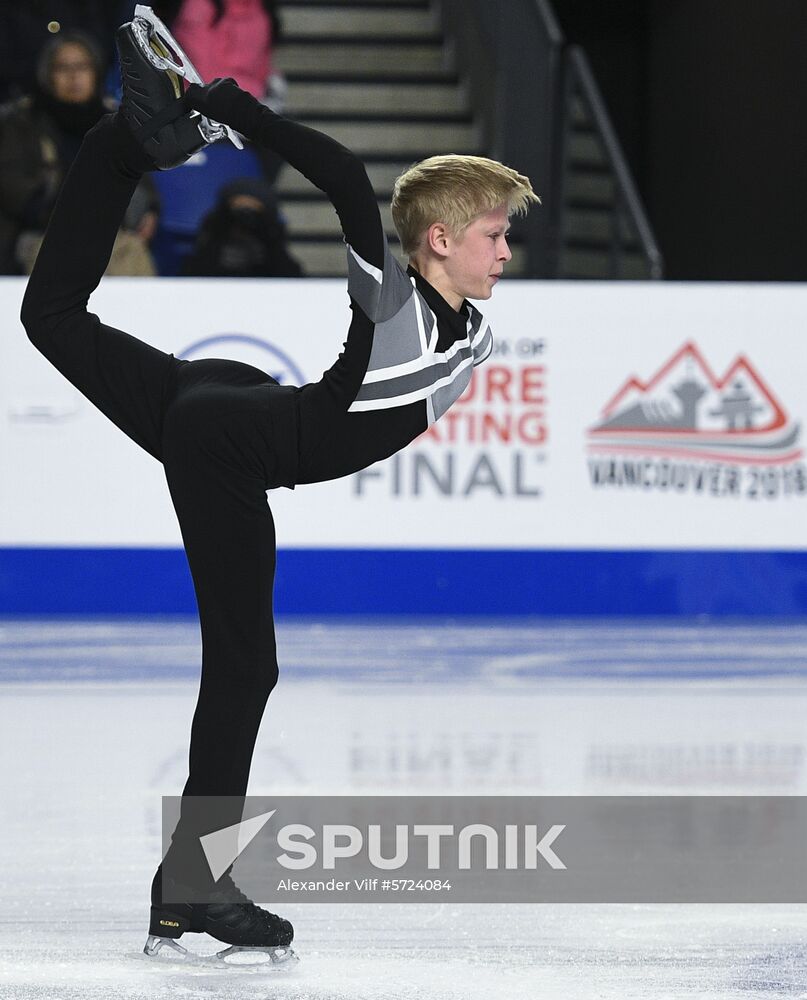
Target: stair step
404,140
319,218
347,21
592,264
597,187
585,149
580,117
320,259
397,100
327,259
353,3
359,60
291,183
596,225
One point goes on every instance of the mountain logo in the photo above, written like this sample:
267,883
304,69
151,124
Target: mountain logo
685,411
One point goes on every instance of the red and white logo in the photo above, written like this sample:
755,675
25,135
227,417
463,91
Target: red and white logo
685,411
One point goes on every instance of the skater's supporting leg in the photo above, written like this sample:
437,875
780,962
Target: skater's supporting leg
218,487
126,379
219,493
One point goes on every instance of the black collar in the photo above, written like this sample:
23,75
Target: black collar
457,321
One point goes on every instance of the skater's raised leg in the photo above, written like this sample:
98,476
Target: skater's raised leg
125,378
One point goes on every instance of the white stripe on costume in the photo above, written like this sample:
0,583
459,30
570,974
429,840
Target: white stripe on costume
374,272
410,397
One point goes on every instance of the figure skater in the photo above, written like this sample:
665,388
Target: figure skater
226,432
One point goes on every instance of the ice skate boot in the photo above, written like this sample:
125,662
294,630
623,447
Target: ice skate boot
229,916
153,67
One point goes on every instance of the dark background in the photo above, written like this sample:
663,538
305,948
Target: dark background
709,99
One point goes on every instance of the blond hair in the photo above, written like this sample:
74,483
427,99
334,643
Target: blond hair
455,190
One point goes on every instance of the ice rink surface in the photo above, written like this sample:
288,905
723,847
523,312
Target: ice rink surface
94,719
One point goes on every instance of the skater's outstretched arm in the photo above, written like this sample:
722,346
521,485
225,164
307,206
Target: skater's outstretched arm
328,164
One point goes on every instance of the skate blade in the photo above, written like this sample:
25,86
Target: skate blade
167,950
165,53
158,47
280,955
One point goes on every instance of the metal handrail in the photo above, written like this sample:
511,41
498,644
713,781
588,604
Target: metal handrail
550,22
627,194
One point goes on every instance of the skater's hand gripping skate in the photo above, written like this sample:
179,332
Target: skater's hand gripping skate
164,53
224,101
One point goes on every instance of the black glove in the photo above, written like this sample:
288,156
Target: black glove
223,101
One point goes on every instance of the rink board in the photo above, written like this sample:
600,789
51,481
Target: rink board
628,449
418,582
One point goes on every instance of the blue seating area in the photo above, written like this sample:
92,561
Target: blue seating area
189,192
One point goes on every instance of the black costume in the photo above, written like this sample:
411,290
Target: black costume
226,432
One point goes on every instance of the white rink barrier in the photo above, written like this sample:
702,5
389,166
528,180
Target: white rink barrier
613,421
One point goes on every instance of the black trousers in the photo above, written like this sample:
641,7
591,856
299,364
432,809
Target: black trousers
224,432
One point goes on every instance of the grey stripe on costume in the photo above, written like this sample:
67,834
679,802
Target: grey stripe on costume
382,301
476,321
446,395
483,349
428,316
397,340
402,385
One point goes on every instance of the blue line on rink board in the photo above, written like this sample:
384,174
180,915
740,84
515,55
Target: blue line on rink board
654,583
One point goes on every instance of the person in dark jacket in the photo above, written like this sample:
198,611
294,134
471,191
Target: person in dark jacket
244,236
41,134
26,25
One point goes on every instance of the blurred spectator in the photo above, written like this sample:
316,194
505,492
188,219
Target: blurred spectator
131,255
226,38
244,236
233,38
26,26
39,138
